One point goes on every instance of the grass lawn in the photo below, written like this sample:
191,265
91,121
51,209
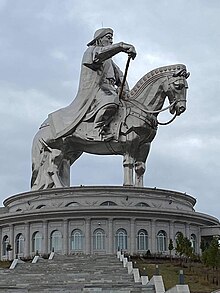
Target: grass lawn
5,264
199,278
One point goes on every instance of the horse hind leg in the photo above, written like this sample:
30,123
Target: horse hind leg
64,172
68,161
46,161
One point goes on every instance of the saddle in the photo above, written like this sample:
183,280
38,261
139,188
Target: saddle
86,130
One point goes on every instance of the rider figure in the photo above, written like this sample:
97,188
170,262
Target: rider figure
97,99
106,100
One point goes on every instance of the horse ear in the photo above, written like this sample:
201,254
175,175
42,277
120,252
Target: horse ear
166,85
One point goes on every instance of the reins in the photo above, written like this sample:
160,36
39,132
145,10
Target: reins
144,109
168,122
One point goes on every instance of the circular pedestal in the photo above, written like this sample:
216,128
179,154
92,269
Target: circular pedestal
98,220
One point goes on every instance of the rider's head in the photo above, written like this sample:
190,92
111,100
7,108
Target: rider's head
102,37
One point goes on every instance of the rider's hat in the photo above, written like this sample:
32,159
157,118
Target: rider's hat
99,34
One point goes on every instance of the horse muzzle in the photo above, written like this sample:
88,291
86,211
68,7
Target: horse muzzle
180,109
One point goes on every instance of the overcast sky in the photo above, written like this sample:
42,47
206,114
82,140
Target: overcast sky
41,45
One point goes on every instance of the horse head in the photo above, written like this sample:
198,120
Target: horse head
176,87
152,89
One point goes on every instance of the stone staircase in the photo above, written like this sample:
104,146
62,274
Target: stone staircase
81,273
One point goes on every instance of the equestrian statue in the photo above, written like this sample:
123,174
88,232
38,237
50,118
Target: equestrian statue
106,118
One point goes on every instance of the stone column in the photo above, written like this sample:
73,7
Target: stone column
171,235
132,237
171,231
153,237
65,237
198,242
187,232
88,236
110,236
45,235
12,242
27,240
1,244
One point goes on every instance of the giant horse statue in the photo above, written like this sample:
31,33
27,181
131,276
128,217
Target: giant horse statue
134,127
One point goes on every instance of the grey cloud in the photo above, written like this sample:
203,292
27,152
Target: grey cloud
41,45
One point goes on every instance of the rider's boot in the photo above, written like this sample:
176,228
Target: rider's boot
102,121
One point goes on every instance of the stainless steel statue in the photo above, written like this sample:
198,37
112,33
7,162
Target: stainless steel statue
105,118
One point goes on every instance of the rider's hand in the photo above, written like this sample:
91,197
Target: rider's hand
129,49
132,52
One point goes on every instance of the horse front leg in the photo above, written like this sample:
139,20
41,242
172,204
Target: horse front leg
128,164
139,174
140,166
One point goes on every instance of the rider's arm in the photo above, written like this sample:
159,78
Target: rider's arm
104,53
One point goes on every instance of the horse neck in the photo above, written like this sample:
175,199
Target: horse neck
149,93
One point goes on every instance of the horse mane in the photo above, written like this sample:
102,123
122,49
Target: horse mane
152,76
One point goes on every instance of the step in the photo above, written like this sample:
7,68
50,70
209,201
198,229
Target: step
71,274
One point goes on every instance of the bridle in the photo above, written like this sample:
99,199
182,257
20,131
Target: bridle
144,108
146,111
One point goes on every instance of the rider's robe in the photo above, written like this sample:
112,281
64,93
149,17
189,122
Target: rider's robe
98,84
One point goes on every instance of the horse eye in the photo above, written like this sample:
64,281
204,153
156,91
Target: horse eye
178,86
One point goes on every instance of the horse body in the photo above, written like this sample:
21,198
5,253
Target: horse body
134,128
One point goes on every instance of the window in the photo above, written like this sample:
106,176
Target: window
121,239
72,204
56,241
142,204
161,241
5,243
40,206
99,239
19,245
77,240
37,242
142,240
108,203
193,241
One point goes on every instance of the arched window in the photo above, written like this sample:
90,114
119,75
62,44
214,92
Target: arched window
37,242
5,242
72,204
76,240
142,204
121,239
99,239
108,203
19,245
193,241
161,241
56,241
142,240
41,206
